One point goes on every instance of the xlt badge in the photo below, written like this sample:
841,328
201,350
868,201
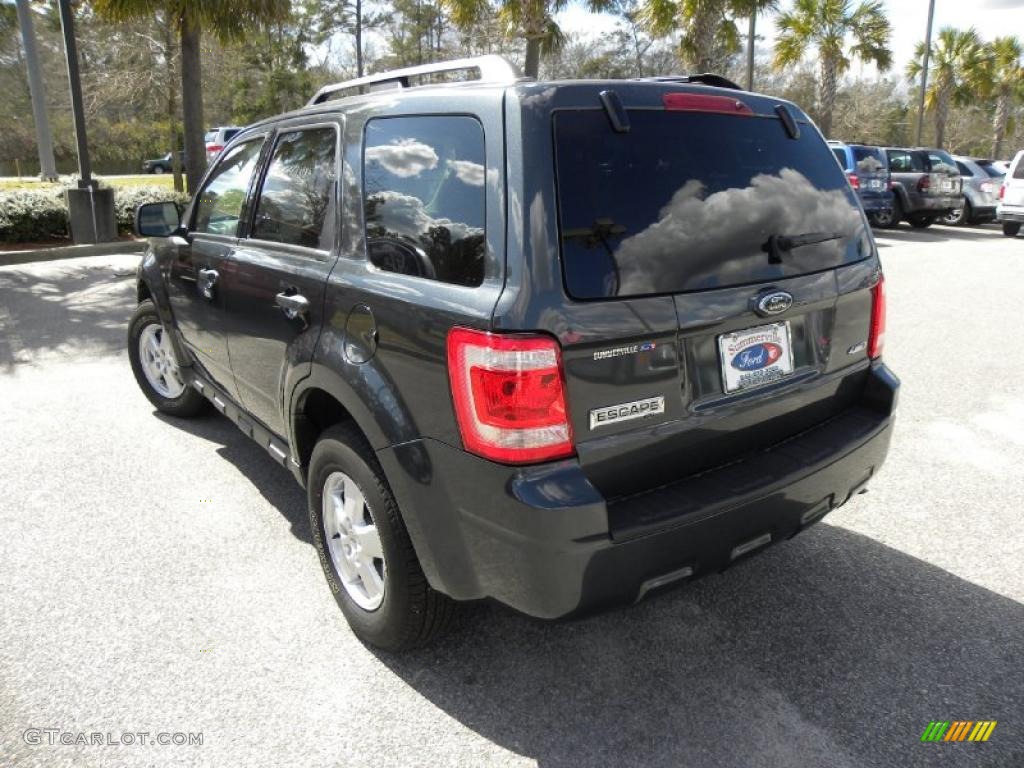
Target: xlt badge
638,409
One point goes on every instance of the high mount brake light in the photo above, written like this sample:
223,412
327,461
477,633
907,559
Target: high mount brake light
876,334
700,102
509,396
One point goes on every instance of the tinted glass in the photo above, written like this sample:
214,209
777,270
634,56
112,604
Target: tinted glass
210,136
901,161
1018,171
868,159
687,201
841,157
296,204
991,170
424,197
220,202
942,162
964,170
230,133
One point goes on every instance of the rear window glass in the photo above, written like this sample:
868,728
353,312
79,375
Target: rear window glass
942,162
990,169
869,159
688,201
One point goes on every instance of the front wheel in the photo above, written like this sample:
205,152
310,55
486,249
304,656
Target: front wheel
156,366
1011,228
365,549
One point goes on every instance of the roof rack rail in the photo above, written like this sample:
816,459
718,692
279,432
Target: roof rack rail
493,69
707,78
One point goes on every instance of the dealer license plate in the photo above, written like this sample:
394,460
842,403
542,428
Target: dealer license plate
755,356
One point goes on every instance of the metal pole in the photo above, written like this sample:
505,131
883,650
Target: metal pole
924,72
44,139
750,47
67,25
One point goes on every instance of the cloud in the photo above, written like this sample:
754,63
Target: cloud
405,157
708,241
468,172
1003,4
405,216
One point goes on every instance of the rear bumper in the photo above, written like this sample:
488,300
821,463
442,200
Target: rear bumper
543,541
1007,213
873,202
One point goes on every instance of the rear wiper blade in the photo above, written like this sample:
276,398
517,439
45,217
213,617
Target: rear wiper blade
778,243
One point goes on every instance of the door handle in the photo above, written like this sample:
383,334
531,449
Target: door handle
207,281
294,304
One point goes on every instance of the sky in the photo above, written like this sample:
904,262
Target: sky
909,19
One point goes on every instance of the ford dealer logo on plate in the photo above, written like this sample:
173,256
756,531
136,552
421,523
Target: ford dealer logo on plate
756,357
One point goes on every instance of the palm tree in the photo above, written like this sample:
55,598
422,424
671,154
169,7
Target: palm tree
708,26
827,25
227,19
959,72
752,8
532,20
1008,83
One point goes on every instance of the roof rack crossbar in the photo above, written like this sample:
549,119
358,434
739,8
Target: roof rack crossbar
493,69
707,78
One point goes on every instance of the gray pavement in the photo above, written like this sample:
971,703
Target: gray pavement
158,577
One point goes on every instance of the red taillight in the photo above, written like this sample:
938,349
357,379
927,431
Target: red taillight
876,335
214,149
923,184
509,396
1002,190
854,180
699,102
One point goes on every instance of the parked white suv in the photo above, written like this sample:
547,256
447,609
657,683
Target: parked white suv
216,138
1010,211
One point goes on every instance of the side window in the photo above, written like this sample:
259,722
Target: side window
840,156
964,170
297,202
423,197
899,161
220,201
1018,170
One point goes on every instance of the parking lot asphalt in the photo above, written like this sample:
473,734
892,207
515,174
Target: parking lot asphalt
158,577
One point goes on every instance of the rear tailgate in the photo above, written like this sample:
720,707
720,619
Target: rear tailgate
700,334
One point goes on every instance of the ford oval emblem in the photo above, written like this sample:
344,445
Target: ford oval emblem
757,357
774,303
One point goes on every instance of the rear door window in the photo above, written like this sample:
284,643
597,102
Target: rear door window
841,157
688,201
901,161
423,197
297,202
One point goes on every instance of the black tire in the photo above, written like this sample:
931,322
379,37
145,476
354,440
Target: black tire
920,221
189,402
412,613
892,220
959,216
1011,228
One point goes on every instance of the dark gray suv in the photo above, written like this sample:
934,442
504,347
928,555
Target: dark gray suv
926,184
558,344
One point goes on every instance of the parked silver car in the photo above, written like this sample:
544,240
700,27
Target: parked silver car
981,180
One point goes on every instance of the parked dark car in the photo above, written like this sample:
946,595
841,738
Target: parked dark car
981,180
867,169
162,164
926,184
558,344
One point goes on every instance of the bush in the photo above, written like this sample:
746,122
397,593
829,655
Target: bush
33,215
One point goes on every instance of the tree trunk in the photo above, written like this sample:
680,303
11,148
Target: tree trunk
751,30
942,99
192,102
532,67
827,94
172,103
37,92
1000,120
705,23
359,38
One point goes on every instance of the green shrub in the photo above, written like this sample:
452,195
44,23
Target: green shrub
30,215
41,214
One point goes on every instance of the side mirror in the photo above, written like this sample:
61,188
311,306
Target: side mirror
157,219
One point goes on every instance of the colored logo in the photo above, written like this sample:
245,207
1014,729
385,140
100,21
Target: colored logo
774,303
757,357
959,730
